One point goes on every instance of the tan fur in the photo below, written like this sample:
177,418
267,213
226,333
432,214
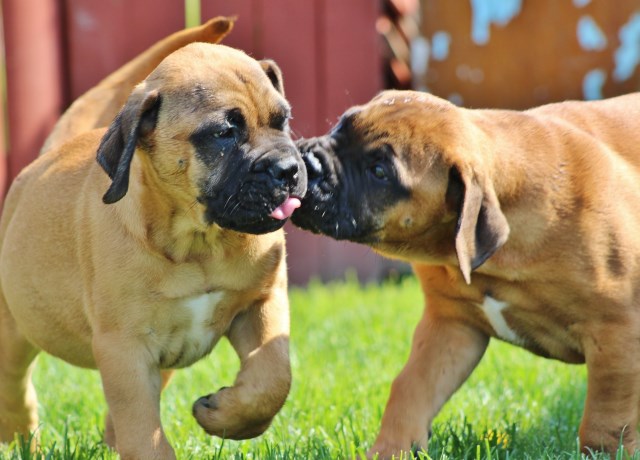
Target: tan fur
115,287
557,207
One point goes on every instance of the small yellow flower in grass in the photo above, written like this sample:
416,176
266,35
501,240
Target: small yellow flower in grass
499,438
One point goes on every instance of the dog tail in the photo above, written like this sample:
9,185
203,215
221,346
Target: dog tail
98,107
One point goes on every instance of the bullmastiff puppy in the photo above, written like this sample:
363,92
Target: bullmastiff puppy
138,263
519,225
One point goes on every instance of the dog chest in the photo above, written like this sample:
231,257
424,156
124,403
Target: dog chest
493,312
194,336
201,309
537,327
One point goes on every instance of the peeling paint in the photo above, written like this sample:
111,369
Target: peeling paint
440,45
467,73
487,12
419,56
477,76
590,36
581,3
627,56
455,98
592,84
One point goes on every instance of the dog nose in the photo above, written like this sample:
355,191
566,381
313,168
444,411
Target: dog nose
283,171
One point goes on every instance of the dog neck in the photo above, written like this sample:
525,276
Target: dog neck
170,224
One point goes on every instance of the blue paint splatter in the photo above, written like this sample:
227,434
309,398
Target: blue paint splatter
590,36
627,55
419,56
487,12
456,98
440,45
581,3
592,84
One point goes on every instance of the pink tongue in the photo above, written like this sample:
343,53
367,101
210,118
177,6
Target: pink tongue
286,209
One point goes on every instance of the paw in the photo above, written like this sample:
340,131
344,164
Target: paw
389,449
386,452
222,415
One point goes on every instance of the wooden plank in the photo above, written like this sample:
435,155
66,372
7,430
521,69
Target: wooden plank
103,35
34,76
351,70
288,36
242,35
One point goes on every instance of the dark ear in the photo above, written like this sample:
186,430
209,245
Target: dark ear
273,72
482,228
132,126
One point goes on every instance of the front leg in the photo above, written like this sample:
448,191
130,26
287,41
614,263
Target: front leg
132,383
109,430
260,336
443,354
613,388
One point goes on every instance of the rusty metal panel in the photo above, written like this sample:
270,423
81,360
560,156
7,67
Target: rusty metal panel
518,54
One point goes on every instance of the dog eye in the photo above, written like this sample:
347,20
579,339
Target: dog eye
279,121
224,133
379,172
235,118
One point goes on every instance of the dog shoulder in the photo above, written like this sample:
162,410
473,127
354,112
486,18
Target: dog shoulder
58,174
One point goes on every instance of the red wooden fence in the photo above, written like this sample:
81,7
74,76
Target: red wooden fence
328,51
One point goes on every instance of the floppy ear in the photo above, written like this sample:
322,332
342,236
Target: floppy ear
274,73
132,126
481,228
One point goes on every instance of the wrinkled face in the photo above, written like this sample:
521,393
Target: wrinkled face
365,176
213,124
351,185
249,174
403,175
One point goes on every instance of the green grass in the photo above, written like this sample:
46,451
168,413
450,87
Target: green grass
348,343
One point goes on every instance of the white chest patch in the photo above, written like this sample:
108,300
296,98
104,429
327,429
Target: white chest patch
492,309
201,309
198,339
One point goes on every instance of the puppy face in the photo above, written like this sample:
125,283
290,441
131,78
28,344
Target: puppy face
401,174
212,126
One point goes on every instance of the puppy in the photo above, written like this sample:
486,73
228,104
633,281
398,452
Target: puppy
138,263
519,225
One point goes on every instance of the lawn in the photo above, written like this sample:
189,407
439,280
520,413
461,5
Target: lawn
348,342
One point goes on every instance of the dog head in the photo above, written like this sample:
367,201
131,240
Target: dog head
405,174
210,126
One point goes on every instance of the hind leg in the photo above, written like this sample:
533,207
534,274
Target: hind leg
18,402
109,431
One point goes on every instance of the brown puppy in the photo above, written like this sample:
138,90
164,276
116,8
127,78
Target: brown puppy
200,175
542,206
